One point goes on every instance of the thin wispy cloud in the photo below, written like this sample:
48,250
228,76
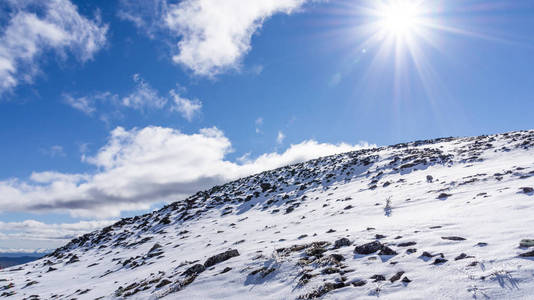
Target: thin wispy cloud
188,108
37,27
280,137
142,98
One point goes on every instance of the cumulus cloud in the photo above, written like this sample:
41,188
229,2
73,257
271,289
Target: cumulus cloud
35,27
214,35
35,230
30,233
139,167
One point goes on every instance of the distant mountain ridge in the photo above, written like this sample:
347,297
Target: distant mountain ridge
448,218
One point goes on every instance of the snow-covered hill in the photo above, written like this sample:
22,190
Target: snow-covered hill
440,219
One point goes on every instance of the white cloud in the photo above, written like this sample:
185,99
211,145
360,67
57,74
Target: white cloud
139,167
83,104
280,137
35,27
54,151
214,35
259,123
217,34
30,234
187,108
144,96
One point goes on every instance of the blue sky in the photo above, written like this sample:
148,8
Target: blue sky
111,108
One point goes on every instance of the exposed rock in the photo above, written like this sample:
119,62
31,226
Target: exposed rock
194,270
406,244
439,260
358,283
397,276
368,248
453,238
342,242
220,257
378,277
526,243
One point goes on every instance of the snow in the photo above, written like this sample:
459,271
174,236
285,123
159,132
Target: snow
484,177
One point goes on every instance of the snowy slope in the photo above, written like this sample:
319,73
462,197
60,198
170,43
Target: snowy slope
440,219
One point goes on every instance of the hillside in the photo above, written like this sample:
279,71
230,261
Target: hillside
439,219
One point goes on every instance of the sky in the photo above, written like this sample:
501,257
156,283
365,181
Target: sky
110,109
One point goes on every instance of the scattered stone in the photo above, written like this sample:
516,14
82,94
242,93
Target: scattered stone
221,257
348,207
342,242
411,250
378,277
527,254
429,178
453,238
368,248
463,256
163,283
227,269
406,244
481,244
406,280
379,236
387,251
331,231
396,276
527,190
194,270
302,236
358,283
526,243
443,196
439,260
337,257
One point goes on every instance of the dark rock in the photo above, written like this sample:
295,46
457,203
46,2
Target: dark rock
406,244
527,254
439,260
406,280
337,257
397,276
163,283
368,248
343,242
429,178
331,231
378,277
526,243
444,196
194,270
227,269
527,190
481,244
379,236
453,238
387,251
411,250
221,257
348,207
358,283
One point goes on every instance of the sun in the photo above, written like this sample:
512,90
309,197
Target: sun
400,18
